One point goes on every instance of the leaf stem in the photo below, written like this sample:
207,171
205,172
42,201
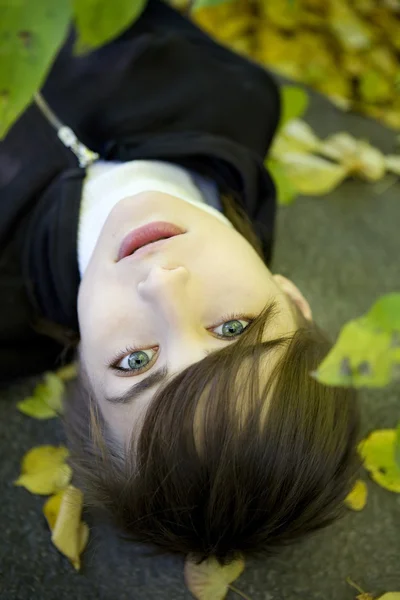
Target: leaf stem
239,592
357,587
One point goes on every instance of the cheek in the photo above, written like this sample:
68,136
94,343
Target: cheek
100,308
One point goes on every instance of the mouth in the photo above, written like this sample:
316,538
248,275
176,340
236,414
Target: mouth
148,234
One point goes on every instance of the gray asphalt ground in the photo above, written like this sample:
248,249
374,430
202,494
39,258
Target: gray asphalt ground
342,250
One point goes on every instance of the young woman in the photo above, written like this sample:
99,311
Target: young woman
194,422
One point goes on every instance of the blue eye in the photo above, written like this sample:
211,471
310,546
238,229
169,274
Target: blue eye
135,356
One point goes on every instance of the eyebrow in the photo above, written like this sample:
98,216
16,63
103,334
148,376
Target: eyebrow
159,376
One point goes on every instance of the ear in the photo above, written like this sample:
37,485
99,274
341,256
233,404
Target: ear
294,293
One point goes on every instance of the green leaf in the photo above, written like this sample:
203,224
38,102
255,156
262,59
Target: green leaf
294,103
205,3
31,34
285,190
46,401
100,21
397,446
367,353
376,450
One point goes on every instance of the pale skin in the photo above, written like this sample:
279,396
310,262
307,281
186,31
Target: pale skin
171,302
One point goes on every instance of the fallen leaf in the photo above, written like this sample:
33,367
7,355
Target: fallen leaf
294,103
285,190
367,352
207,3
378,453
384,59
278,51
357,498
397,445
46,401
52,508
375,87
283,15
63,514
311,174
68,372
44,470
358,156
295,136
349,29
392,163
210,581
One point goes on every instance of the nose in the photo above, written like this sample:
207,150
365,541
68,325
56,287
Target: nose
175,311
173,308
166,290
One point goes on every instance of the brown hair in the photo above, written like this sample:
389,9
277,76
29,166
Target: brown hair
259,482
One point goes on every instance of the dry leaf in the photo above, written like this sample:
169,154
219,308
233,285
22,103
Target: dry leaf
68,372
46,400
285,191
63,514
278,51
44,470
312,175
358,156
375,87
357,498
210,581
295,136
284,15
392,163
351,31
378,453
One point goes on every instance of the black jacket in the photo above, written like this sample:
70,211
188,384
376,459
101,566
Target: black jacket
162,90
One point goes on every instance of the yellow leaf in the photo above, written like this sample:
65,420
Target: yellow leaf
367,352
277,51
378,453
392,163
44,470
365,7
312,175
225,20
52,508
36,407
350,29
46,401
295,136
69,534
68,372
337,86
358,156
283,14
390,596
383,59
285,191
354,63
210,581
294,101
314,55
357,498
374,87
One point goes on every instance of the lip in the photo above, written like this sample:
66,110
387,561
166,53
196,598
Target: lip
147,237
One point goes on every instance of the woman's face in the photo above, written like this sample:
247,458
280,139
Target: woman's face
169,304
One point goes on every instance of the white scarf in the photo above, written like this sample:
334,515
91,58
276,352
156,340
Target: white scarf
107,183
